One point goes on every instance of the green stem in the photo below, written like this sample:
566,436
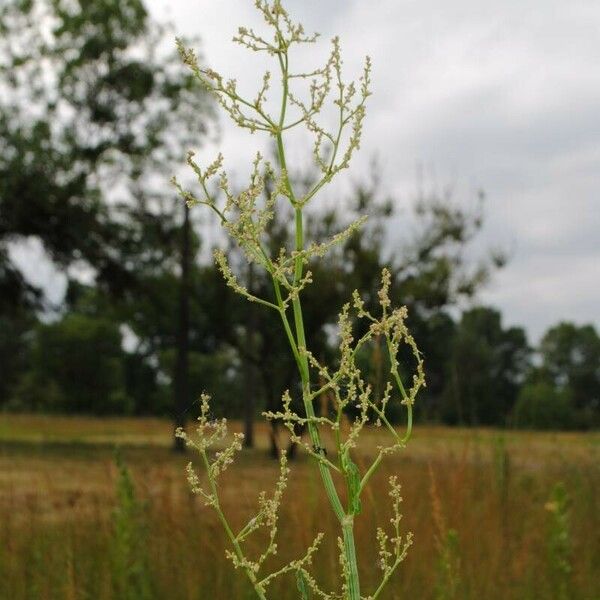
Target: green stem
232,538
298,345
334,499
350,552
385,580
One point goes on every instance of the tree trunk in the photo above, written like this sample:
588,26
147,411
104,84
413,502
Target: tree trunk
181,378
250,394
274,440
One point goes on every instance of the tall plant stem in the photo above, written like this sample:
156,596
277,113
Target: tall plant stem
299,345
346,521
249,226
232,538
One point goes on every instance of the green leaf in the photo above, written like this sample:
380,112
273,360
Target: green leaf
303,585
353,483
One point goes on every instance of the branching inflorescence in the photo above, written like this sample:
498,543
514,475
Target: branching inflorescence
246,216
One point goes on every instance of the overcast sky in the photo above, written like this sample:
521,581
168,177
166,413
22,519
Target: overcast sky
503,96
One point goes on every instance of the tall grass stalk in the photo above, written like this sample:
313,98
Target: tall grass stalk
129,557
299,102
559,543
447,545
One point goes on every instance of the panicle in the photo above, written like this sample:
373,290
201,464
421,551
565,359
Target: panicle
246,216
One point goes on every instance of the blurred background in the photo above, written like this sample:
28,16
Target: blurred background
479,170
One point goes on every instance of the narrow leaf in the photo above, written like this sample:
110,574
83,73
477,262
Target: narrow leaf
302,585
353,484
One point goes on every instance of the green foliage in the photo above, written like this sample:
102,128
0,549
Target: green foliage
76,366
540,405
571,362
487,365
90,114
217,371
94,112
353,483
302,584
439,234
15,328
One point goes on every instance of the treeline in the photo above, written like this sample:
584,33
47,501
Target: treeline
479,372
94,118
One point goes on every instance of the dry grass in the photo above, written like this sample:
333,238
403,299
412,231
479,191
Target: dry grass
57,492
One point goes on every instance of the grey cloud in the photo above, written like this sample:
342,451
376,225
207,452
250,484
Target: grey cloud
501,96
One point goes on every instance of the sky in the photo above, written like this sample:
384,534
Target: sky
499,96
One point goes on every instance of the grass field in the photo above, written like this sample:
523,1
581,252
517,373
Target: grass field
60,538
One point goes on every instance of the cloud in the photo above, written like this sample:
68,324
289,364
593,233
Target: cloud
500,96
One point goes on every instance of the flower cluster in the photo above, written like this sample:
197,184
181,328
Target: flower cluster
216,454
245,217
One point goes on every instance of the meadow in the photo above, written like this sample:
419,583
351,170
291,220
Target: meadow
495,515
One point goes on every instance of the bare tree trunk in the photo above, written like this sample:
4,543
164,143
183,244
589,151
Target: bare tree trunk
250,395
274,440
181,378
271,404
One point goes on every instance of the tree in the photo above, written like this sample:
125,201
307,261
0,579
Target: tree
151,360
15,342
571,362
93,121
76,366
181,378
541,405
431,273
433,269
93,118
487,366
